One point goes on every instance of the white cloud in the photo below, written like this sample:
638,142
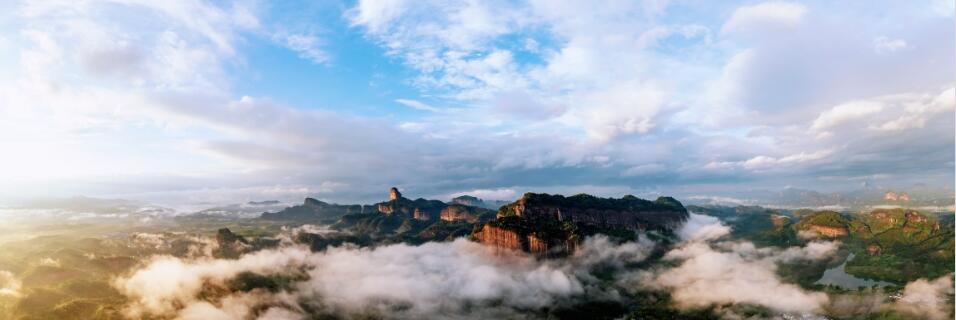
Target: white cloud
414,104
771,162
307,46
624,109
731,272
917,113
763,14
702,228
844,113
706,276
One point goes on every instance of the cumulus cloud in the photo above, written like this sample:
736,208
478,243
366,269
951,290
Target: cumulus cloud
702,228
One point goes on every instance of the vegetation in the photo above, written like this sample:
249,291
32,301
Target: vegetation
586,201
66,272
900,245
830,219
894,245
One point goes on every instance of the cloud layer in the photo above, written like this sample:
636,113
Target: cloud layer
456,279
463,279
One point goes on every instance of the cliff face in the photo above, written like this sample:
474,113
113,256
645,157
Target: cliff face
457,212
501,238
553,225
542,246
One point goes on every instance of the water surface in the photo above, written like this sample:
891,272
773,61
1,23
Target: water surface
837,276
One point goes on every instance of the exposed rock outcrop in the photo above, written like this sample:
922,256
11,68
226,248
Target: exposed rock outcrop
420,214
824,223
553,225
501,238
830,232
541,238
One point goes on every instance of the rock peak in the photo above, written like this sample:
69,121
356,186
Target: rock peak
393,194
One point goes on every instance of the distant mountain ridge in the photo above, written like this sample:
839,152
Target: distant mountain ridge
914,196
460,208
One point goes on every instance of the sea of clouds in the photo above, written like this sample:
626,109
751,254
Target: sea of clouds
462,279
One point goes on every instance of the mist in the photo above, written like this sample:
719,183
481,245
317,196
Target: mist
463,279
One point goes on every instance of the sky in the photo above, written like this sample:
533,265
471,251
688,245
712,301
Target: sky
194,101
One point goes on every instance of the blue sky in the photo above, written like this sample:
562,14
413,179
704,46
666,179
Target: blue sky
195,101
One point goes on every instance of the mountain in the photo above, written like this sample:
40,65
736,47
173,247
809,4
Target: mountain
315,210
896,245
96,206
471,214
249,209
478,202
419,209
917,196
553,225
899,245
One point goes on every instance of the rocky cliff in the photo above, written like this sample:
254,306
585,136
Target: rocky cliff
550,225
542,238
